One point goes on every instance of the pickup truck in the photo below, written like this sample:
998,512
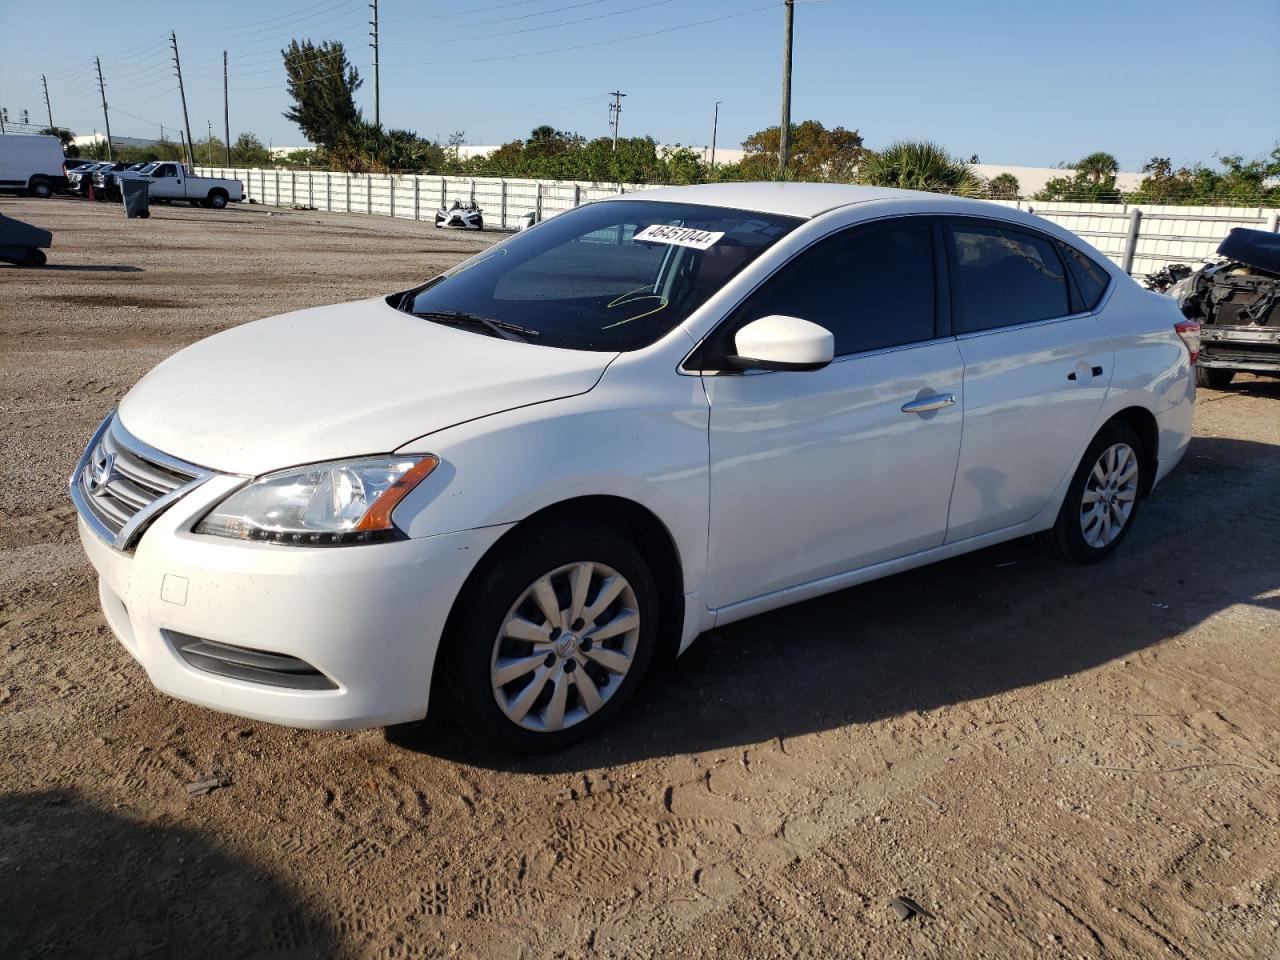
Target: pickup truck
174,181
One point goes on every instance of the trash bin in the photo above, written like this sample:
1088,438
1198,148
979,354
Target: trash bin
137,197
20,242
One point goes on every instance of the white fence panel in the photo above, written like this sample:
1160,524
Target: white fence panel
1141,238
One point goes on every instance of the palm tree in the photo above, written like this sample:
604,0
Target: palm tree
1003,187
1098,167
919,165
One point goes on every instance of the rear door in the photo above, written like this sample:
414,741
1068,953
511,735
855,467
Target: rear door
1036,370
819,472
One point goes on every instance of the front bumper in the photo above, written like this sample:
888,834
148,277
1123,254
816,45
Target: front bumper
368,617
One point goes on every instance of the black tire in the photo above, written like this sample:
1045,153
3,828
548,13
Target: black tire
1066,539
218,199
1215,378
481,610
479,223
40,188
36,257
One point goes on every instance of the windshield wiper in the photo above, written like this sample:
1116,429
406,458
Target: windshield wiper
497,328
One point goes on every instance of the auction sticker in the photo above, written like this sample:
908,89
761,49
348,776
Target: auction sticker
679,236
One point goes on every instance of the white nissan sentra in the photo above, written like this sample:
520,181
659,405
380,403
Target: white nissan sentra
533,476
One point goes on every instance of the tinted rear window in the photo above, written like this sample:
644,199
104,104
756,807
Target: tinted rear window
1002,277
1090,277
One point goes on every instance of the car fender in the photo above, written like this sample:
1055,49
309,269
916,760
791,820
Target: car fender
635,436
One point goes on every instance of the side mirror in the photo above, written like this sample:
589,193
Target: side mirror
782,343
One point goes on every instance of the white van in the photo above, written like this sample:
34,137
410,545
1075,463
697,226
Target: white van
32,164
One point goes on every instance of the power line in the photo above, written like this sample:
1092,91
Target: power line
553,50
552,26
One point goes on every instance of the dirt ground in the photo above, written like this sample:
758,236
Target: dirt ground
1052,761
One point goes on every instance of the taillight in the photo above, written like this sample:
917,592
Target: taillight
64,168
1189,331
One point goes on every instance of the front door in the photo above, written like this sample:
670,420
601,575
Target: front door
820,472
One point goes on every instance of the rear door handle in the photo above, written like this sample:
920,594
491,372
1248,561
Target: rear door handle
929,404
1096,371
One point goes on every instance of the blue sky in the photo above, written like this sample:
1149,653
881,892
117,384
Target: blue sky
1015,82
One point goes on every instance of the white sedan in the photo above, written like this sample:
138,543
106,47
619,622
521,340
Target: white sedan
531,477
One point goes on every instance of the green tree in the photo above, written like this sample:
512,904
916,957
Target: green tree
1239,182
816,153
920,165
365,148
1005,186
1092,181
249,151
322,84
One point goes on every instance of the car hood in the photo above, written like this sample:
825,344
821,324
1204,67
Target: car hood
342,381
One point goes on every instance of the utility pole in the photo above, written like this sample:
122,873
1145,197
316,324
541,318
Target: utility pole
208,144
177,66
784,130
45,84
4,115
102,89
715,126
226,108
615,114
373,34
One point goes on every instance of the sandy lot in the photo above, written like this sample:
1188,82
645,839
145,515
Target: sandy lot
1053,761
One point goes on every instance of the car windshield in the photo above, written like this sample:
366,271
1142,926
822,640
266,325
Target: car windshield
615,275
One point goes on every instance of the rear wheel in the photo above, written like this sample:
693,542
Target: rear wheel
1215,378
551,639
40,188
1102,499
217,199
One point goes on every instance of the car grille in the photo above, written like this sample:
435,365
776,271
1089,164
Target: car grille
121,484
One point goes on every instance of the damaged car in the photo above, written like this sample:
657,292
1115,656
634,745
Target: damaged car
1236,300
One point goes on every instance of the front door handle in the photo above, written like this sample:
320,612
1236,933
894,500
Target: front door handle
929,404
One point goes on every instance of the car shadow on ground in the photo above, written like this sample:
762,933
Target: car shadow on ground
68,865
75,268
975,626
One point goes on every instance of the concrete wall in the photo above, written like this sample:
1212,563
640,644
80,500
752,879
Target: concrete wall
1142,238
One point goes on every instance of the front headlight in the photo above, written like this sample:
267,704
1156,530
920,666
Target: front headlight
324,504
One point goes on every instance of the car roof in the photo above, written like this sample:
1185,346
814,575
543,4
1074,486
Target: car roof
806,200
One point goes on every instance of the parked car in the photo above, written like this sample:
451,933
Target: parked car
31,164
1236,299
80,179
174,181
467,215
106,181
534,474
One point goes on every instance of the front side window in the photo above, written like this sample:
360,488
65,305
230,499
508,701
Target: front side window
872,286
616,275
1001,277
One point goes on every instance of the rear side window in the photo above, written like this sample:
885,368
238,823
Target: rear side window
871,286
1091,279
1002,277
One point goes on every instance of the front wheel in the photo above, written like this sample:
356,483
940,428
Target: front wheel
1102,499
1215,378
551,639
